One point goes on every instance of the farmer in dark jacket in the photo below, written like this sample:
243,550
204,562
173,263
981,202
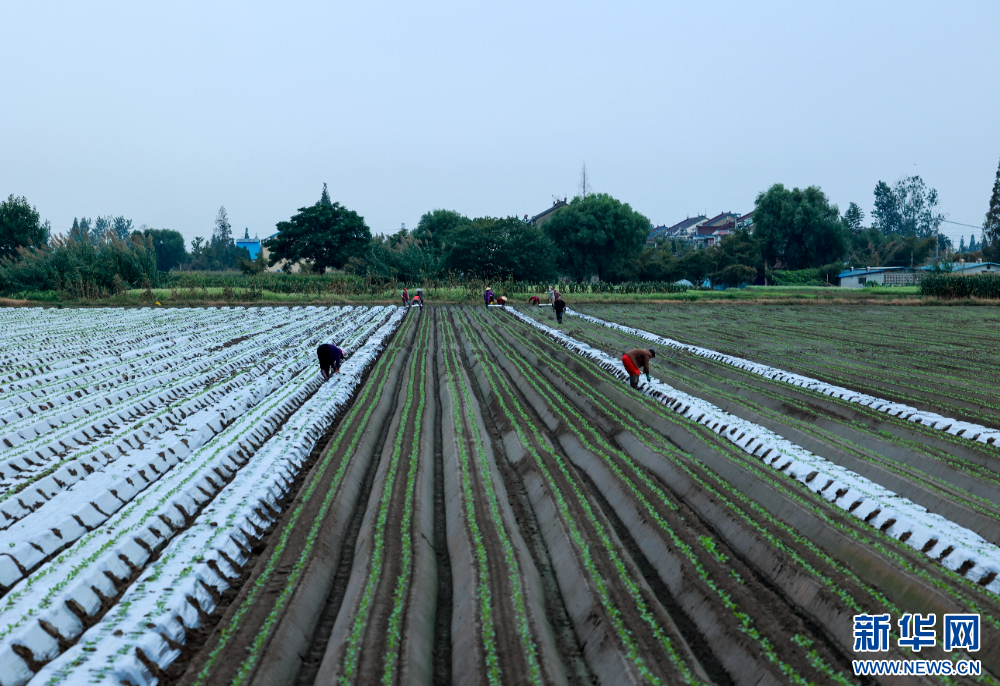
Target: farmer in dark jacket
329,356
488,296
633,360
559,305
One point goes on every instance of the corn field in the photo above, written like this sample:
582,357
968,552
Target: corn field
950,286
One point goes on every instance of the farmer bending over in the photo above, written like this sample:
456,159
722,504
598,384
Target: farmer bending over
634,359
329,356
533,300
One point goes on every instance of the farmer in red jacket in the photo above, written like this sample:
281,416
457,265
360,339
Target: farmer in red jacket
633,360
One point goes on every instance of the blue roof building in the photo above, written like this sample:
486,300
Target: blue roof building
967,268
251,244
883,276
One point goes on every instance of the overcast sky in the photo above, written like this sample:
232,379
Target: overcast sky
162,112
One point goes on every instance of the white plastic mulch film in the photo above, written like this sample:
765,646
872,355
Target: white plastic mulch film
122,430
851,492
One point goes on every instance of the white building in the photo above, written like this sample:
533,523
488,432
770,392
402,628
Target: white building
883,276
969,268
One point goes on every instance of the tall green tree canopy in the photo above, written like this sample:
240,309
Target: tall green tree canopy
168,246
437,228
872,248
501,248
799,227
20,226
738,259
398,256
907,209
596,234
324,235
991,225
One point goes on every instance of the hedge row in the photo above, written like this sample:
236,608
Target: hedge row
356,285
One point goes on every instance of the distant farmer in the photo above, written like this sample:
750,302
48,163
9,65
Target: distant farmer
552,294
488,296
417,301
559,305
329,356
420,292
502,301
534,300
633,360
406,296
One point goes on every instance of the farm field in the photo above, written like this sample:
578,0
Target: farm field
939,358
480,498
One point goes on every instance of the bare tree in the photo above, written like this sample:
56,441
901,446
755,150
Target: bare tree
585,188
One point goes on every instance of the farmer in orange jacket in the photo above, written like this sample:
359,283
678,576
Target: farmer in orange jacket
633,360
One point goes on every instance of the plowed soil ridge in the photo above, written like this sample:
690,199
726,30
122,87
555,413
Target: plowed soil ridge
494,509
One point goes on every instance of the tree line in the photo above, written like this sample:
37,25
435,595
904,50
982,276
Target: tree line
594,237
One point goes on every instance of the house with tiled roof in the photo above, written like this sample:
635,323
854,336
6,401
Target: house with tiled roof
712,231
683,229
543,217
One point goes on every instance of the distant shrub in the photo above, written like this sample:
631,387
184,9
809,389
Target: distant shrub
76,267
798,277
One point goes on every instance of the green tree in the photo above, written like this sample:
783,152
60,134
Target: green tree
168,246
907,209
223,233
735,275
20,226
853,217
399,257
323,235
738,259
697,265
651,265
121,227
872,248
101,227
437,228
991,225
798,227
255,266
501,248
596,235
82,230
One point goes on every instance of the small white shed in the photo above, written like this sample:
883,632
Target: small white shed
892,276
